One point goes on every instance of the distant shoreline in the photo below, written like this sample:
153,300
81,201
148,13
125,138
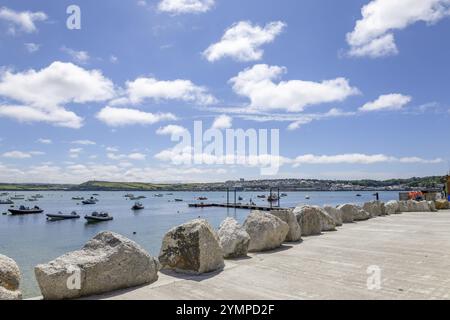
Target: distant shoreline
435,183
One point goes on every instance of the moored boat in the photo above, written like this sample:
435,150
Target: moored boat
98,217
25,210
179,200
62,216
78,198
89,201
137,206
7,201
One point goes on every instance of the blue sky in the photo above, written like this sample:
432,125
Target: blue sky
358,89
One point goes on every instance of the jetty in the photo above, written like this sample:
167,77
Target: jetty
411,251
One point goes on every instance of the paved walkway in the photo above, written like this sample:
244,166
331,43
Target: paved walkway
412,250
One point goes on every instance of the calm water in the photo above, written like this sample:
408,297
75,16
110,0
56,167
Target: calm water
31,240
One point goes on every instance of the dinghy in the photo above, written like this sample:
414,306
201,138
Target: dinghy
98,217
25,210
62,216
137,206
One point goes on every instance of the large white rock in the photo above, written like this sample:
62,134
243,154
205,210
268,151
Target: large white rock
418,206
392,207
309,218
403,206
442,204
9,279
266,231
374,208
335,213
352,212
106,263
288,216
348,212
192,248
432,206
233,238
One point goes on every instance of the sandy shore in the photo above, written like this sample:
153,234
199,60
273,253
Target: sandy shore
412,251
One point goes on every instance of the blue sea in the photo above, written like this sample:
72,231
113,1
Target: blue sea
31,240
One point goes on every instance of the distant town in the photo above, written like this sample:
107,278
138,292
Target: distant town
423,183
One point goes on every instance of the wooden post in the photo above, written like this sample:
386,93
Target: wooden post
235,192
279,204
228,196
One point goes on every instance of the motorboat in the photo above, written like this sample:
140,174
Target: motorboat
159,195
137,206
273,198
129,195
7,201
38,196
62,216
202,198
78,198
3,194
284,195
25,210
179,200
359,195
16,197
262,196
98,217
31,199
307,197
141,197
240,199
89,201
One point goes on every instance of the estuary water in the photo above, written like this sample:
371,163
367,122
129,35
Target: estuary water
31,240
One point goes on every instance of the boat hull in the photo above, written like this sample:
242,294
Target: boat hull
98,219
24,212
62,217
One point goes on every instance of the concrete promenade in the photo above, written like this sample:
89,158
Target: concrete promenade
412,250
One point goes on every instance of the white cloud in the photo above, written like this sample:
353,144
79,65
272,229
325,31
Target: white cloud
383,46
45,141
118,117
32,47
357,158
142,89
185,6
393,101
373,34
171,130
132,156
17,155
81,57
257,84
222,122
44,93
243,41
24,20
84,142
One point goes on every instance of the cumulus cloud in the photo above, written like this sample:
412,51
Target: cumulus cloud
222,122
119,117
171,130
185,6
393,101
24,20
42,94
132,156
258,84
84,142
243,41
357,158
17,155
373,34
141,89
